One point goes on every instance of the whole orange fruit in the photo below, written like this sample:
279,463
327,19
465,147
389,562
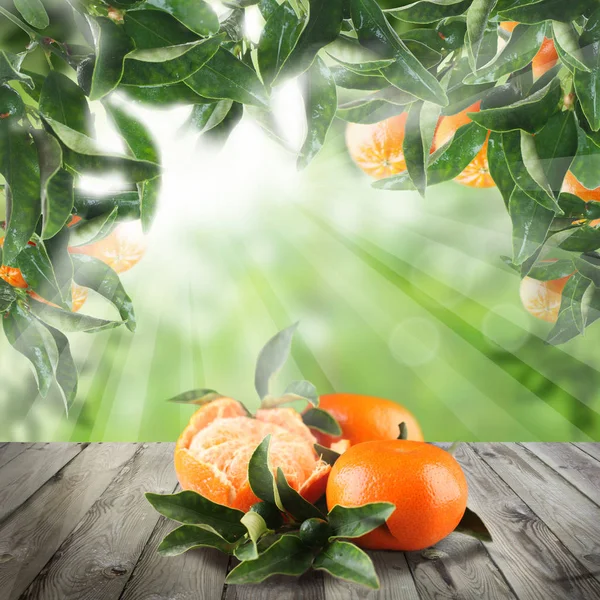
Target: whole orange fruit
366,418
425,483
377,148
213,452
546,56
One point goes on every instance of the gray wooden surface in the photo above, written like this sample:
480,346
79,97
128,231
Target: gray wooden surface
74,525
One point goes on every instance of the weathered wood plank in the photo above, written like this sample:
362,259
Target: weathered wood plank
28,471
35,530
591,448
196,574
532,559
570,515
458,567
395,579
572,463
10,451
97,558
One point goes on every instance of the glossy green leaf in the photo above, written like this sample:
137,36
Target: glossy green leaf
164,96
224,76
29,337
256,527
206,116
406,73
326,454
33,12
566,41
196,15
94,229
368,110
545,10
431,11
10,69
149,193
548,270
59,253
287,556
571,316
187,537
366,67
586,165
522,46
499,167
69,322
191,508
11,104
7,293
346,561
98,276
219,134
66,371
347,79
56,185
478,15
531,223
473,526
529,114
357,521
169,65
126,203
112,45
321,420
413,147
260,476
155,29
582,239
277,41
20,169
587,86
323,27
320,105
198,397
292,502
301,390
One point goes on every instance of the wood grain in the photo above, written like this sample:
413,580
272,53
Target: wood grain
34,531
571,463
458,567
28,471
9,451
591,448
533,560
96,560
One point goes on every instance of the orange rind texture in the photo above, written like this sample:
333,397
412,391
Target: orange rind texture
213,452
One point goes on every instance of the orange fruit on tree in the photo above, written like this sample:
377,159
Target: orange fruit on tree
12,275
542,298
364,419
425,483
79,296
213,452
121,250
377,148
572,185
546,56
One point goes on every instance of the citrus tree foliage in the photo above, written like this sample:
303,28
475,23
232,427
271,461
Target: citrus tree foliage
357,60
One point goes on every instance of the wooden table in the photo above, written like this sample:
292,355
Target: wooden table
74,525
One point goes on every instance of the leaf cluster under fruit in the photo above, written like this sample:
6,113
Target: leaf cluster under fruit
284,534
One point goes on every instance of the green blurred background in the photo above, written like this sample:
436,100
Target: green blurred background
397,297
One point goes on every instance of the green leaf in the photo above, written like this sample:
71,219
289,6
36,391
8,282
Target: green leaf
10,65
33,12
571,318
112,45
581,239
84,155
346,561
499,167
368,110
587,86
357,521
530,221
19,166
196,15
260,476
7,293
66,371
529,114
39,274
586,165
224,76
472,525
206,116
126,204
56,184
302,390
199,397
369,67
543,10
187,537
166,66
29,337
327,454
320,106
92,230
292,502
191,508
566,42
478,15
323,27
219,134
256,527
69,322
353,81
523,45
277,41
164,96
11,103
287,556
60,256
406,73
547,271
98,276
271,359
149,193
155,29
429,11
321,420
